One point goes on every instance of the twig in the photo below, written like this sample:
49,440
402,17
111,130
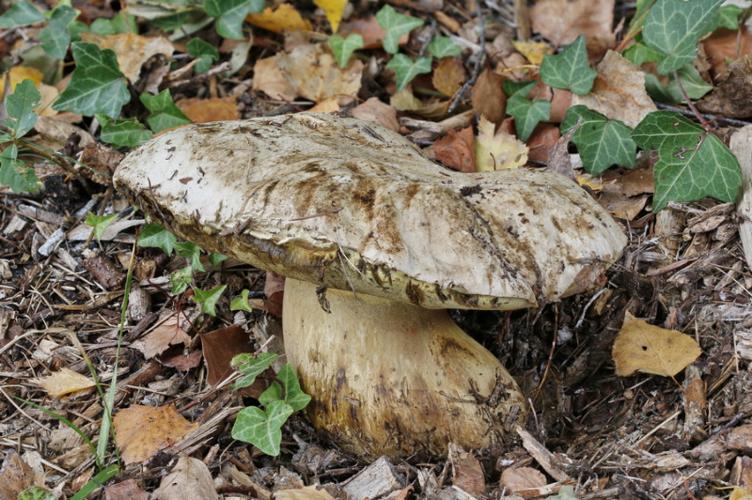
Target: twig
705,124
721,120
458,96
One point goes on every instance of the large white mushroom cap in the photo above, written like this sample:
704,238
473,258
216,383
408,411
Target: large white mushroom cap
351,205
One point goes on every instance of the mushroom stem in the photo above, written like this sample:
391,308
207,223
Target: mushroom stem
390,378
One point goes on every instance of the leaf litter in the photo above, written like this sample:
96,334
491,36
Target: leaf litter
120,76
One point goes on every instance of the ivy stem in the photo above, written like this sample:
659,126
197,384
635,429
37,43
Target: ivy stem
705,124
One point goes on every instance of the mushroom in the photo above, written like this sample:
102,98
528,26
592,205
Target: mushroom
377,243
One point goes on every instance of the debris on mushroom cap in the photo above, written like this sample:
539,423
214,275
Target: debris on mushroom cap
351,205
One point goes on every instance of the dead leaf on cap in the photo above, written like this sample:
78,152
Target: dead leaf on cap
283,18
190,478
132,50
497,150
647,348
449,76
210,110
269,79
522,478
619,91
141,431
167,333
487,97
561,21
313,73
378,112
64,382
456,150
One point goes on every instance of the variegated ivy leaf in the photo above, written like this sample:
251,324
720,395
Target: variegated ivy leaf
569,69
395,26
262,428
343,48
405,69
527,113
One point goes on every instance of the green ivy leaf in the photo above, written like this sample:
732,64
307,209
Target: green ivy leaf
100,223
251,366
601,142
230,15
122,22
443,46
207,299
15,174
511,87
262,429
294,395
96,86
395,26
527,113
343,48
692,163
405,69
728,17
56,37
164,113
192,254
569,69
155,236
216,259
206,53
674,27
35,493
19,108
21,13
180,279
639,53
240,302
125,133
271,393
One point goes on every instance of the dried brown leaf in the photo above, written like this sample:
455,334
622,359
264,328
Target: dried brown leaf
210,110
269,79
141,431
379,112
219,347
189,479
64,382
726,45
168,332
125,490
313,73
467,472
522,478
456,150
449,76
733,96
561,21
647,348
487,96
132,50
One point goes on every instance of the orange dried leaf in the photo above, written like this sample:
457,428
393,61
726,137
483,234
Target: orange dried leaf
283,18
456,150
561,21
64,382
269,79
209,110
647,348
449,76
378,112
487,96
141,431
159,339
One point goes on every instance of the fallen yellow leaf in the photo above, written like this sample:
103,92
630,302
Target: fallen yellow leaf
587,180
209,110
333,10
533,51
63,382
449,76
647,348
141,431
17,74
283,18
497,150
739,493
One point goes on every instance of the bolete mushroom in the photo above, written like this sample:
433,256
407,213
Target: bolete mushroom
377,242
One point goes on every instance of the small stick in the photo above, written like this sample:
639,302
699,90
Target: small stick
476,70
705,124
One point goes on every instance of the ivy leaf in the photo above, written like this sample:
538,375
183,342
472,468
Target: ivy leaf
691,81
405,69
19,108
122,22
395,26
35,493
728,17
56,37
125,133
192,253
207,299
15,174
601,142
216,259
343,48
230,15
639,53
251,366
511,87
180,279
205,52
443,46
527,113
96,86
164,113
569,69
271,393
240,302
262,429
21,13
692,163
675,26
294,395
155,236
99,222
